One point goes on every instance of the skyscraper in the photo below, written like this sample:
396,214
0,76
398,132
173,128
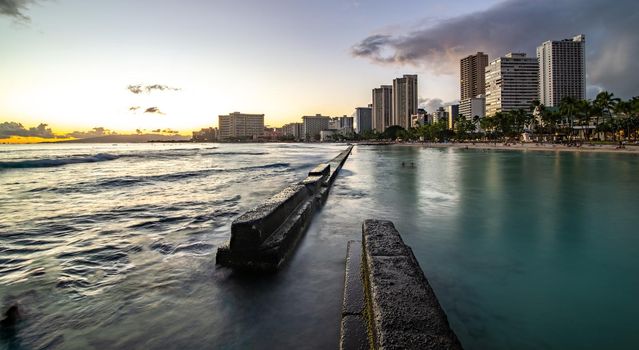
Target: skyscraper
472,74
363,119
562,70
382,107
404,100
512,82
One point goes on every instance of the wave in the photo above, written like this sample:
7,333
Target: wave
100,157
234,153
55,162
121,182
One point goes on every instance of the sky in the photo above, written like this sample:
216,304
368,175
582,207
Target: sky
148,65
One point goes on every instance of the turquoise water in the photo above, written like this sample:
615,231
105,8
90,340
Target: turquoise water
525,250
113,246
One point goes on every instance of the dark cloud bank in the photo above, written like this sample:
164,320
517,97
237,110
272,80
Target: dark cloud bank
611,27
15,8
8,129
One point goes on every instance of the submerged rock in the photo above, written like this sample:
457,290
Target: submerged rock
11,317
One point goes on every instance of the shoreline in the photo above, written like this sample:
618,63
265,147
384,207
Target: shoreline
629,149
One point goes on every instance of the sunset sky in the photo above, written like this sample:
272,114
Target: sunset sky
68,63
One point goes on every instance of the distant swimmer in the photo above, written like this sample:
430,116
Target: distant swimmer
412,165
403,164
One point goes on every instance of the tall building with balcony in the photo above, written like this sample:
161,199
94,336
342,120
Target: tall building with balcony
382,107
363,119
472,71
562,70
312,125
404,100
512,82
240,126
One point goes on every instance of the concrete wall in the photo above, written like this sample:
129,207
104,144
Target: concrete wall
399,308
264,237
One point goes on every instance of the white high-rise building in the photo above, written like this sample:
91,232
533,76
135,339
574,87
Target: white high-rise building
382,107
562,70
512,82
238,125
404,100
473,107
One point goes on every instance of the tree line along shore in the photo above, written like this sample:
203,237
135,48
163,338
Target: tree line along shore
603,120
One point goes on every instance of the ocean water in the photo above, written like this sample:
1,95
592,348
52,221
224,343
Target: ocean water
113,246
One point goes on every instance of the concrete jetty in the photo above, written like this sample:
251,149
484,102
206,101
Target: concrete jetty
388,302
264,237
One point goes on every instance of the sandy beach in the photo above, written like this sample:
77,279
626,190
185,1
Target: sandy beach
531,146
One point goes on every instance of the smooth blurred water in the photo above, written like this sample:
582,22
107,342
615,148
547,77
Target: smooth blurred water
116,248
525,250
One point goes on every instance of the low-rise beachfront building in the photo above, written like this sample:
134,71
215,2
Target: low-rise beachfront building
205,135
421,118
328,135
293,129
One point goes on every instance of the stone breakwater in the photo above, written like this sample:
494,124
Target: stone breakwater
388,302
264,237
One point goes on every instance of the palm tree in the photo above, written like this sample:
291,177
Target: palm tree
583,110
568,109
604,103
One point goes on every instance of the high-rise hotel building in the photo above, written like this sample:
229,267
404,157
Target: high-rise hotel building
382,107
512,82
312,125
238,125
562,70
363,119
404,100
472,74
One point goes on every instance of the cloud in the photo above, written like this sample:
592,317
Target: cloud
155,110
15,9
95,132
612,44
138,89
8,129
134,108
432,104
